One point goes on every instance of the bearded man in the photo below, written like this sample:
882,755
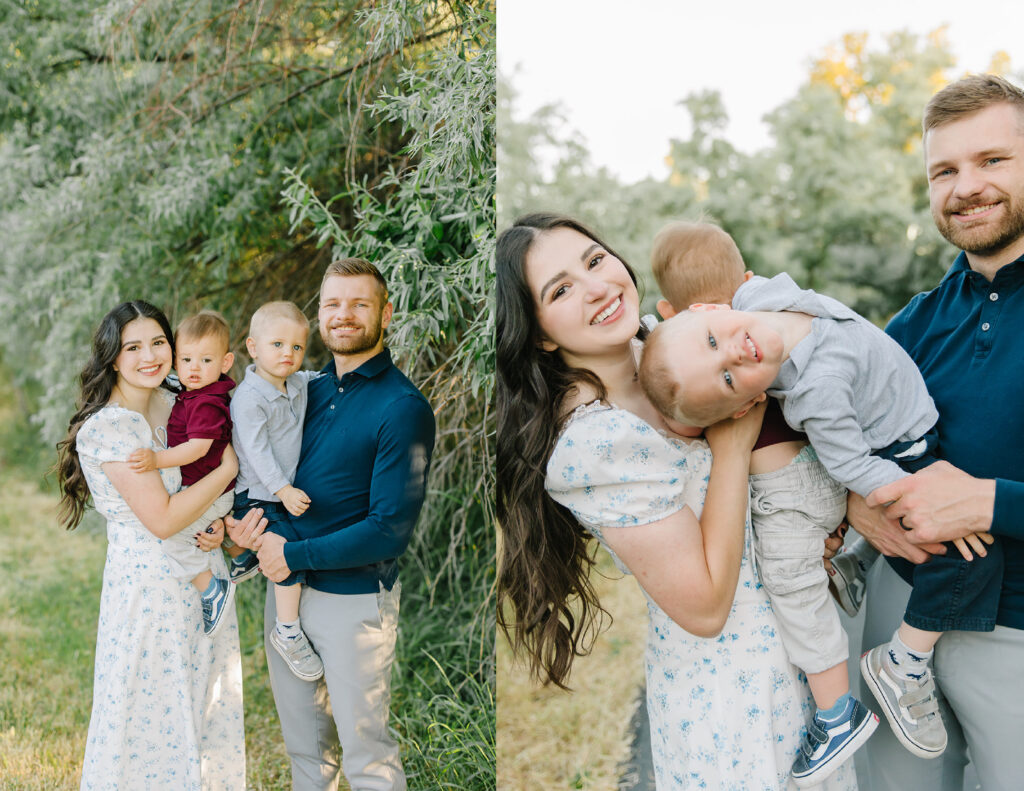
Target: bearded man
366,446
964,335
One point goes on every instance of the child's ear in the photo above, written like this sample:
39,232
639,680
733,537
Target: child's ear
706,306
229,360
250,346
750,405
665,309
747,275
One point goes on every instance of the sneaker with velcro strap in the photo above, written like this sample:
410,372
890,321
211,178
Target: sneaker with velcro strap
827,745
910,705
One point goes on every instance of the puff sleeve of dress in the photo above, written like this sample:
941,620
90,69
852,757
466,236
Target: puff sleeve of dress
112,434
611,469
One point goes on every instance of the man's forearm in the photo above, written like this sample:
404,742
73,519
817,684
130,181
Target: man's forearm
360,544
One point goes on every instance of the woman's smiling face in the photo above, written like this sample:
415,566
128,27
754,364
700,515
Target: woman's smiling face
145,356
587,304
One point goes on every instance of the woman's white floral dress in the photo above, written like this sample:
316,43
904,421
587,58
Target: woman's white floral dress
167,700
727,713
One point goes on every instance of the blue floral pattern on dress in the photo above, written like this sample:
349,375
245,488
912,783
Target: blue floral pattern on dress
727,713
167,700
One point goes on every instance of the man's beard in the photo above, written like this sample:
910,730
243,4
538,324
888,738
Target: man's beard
993,239
353,344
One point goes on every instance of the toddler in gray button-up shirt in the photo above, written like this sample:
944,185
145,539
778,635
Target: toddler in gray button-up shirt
268,410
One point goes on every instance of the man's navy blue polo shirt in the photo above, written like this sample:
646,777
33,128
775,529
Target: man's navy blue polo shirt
965,336
366,448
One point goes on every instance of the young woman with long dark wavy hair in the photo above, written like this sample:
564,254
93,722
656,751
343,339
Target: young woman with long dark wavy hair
167,700
582,453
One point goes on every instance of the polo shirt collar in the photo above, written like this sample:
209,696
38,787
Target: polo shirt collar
371,368
961,267
264,388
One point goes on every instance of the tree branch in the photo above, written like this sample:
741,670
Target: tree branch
89,56
316,83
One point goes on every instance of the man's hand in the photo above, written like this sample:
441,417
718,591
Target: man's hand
294,500
938,503
142,460
885,534
271,556
247,532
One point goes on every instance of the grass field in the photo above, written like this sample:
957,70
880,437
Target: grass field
443,705
50,589
551,739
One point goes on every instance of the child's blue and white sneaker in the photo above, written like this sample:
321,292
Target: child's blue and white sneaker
244,566
827,745
216,605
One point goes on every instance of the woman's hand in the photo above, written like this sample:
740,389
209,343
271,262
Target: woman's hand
833,543
737,436
212,537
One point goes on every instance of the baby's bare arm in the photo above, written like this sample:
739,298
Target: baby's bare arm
144,459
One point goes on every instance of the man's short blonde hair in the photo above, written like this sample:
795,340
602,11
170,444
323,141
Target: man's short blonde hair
270,311
354,267
696,262
666,389
970,95
206,323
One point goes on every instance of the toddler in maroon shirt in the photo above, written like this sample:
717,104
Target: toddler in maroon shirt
198,430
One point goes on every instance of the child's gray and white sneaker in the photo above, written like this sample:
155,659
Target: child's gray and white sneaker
848,579
298,654
910,705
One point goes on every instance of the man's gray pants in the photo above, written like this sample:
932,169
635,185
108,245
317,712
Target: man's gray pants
980,676
355,637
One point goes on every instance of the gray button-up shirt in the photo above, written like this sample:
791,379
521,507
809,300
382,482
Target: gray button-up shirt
849,386
267,432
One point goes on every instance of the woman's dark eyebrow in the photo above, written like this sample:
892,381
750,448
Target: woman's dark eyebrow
155,338
551,282
563,273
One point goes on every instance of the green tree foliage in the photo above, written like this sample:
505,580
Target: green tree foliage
839,199
219,154
542,167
